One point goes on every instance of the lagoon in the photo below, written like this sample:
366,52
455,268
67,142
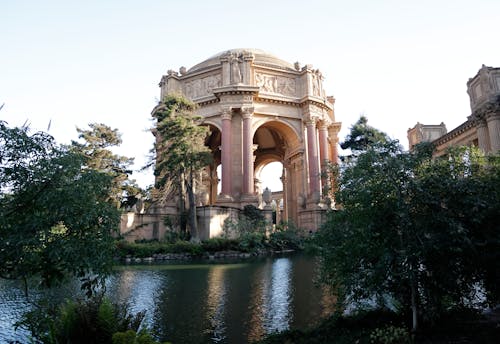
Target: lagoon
203,302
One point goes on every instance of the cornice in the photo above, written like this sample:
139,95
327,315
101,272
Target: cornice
236,89
462,128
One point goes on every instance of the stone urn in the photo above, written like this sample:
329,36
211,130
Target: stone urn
267,196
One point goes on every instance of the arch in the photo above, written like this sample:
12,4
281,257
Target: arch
281,125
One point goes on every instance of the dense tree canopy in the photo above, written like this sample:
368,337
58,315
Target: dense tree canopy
423,231
180,151
362,136
96,147
56,217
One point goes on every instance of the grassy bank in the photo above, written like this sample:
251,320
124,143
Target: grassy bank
253,243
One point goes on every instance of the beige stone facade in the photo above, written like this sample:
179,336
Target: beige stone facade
261,109
482,128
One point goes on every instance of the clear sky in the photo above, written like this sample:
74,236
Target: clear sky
71,63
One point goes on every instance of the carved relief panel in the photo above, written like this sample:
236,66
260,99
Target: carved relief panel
202,87
276,84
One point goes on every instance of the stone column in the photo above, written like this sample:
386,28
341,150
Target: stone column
248,182
226,151
285,195
333,131
312,155
323,144
493,120
483,137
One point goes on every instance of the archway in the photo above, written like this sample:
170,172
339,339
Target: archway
211,181
274,142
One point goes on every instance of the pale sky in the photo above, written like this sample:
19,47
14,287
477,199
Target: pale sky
398,62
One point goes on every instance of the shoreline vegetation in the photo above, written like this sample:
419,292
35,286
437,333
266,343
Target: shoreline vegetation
388,327
247,246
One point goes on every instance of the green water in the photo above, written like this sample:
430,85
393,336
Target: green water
205,302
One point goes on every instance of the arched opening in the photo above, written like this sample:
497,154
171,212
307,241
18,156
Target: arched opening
273,143
270,176
211,180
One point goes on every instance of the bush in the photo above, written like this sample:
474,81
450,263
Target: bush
186,247
390,335
143,250
286,237
131,337
94,320
219,244
251,241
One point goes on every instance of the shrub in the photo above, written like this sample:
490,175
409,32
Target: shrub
94,320
251,241
286,236
131,337
390,335
219,244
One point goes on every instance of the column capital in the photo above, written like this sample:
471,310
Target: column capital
247,111
322,125
226,113
310,121
480,123
492,116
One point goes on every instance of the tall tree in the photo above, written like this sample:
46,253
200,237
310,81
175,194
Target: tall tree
422,230
96,147
363,136
55,216
180,148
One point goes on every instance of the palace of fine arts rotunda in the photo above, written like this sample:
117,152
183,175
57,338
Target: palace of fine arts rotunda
259,109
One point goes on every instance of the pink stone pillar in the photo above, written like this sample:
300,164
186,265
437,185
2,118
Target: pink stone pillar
248,180
323,144
312,152
226,152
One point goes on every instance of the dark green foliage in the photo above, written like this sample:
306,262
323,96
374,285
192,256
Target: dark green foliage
94,320
144,250
180,152
220,244
422,230
382,326
286,237
253,214
132,337
98,156
338,329
55,215
363,136
252,241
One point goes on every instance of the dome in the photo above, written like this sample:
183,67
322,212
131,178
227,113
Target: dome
261,58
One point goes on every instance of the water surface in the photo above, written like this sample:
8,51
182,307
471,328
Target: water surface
207,302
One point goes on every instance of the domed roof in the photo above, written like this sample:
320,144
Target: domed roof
261,58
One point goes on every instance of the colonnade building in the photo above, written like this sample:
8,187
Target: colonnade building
259,109
482,128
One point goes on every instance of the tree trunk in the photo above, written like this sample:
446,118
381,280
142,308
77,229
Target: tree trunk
193,224
414,306
182,204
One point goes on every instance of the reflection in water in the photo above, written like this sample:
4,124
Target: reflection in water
137,288
216,300
206,303
277,306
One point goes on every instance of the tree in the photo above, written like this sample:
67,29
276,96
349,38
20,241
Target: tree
419,229
96,149
181,153
55,216
363,136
